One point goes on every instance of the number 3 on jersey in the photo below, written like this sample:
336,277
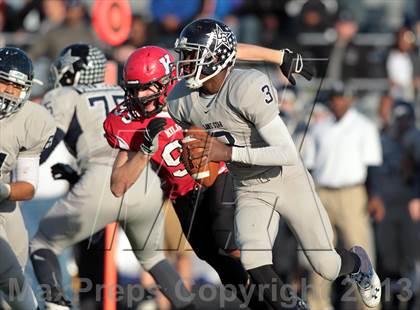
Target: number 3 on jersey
268,97
171,160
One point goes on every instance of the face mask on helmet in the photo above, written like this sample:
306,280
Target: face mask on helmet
206,47
78,64
146,105
16,78
148,78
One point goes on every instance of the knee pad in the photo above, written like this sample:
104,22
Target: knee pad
326,263
256,253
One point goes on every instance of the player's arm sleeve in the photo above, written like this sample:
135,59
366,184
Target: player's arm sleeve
309,150
280,152
259,106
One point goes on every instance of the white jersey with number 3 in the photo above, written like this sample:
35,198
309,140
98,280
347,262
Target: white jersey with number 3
246,102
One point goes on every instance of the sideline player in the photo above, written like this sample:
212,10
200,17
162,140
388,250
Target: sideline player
240,107
26,129
79,105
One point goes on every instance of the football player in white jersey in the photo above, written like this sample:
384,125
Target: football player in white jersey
26,129
79,104
239,109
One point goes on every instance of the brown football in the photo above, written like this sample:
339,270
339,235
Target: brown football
205,175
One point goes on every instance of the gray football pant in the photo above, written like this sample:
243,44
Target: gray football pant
288,192
90,206
13,258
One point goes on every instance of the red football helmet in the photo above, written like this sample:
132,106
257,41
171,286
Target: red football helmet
149,67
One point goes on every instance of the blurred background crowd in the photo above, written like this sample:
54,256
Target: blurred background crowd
356,124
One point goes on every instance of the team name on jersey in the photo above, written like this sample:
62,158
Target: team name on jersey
172,130
213,125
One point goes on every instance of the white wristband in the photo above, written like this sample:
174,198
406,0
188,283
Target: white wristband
4,191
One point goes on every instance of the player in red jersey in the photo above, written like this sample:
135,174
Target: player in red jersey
142,132
128,134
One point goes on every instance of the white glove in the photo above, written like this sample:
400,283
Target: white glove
4,191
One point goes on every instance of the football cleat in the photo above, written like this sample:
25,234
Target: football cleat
367,280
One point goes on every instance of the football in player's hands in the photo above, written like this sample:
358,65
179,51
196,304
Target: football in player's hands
62,171
201,170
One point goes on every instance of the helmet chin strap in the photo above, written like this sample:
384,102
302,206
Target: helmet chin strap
195,82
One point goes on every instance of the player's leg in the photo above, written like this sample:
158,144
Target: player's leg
310,223
257,225
13,257
219,199
219,203
86,209
144,226
197,225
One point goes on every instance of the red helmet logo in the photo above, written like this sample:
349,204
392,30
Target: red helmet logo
148,67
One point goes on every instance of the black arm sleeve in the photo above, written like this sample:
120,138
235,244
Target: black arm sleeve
58,137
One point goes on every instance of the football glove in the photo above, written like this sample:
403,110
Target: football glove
151,136
294,63
4,191
62,171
